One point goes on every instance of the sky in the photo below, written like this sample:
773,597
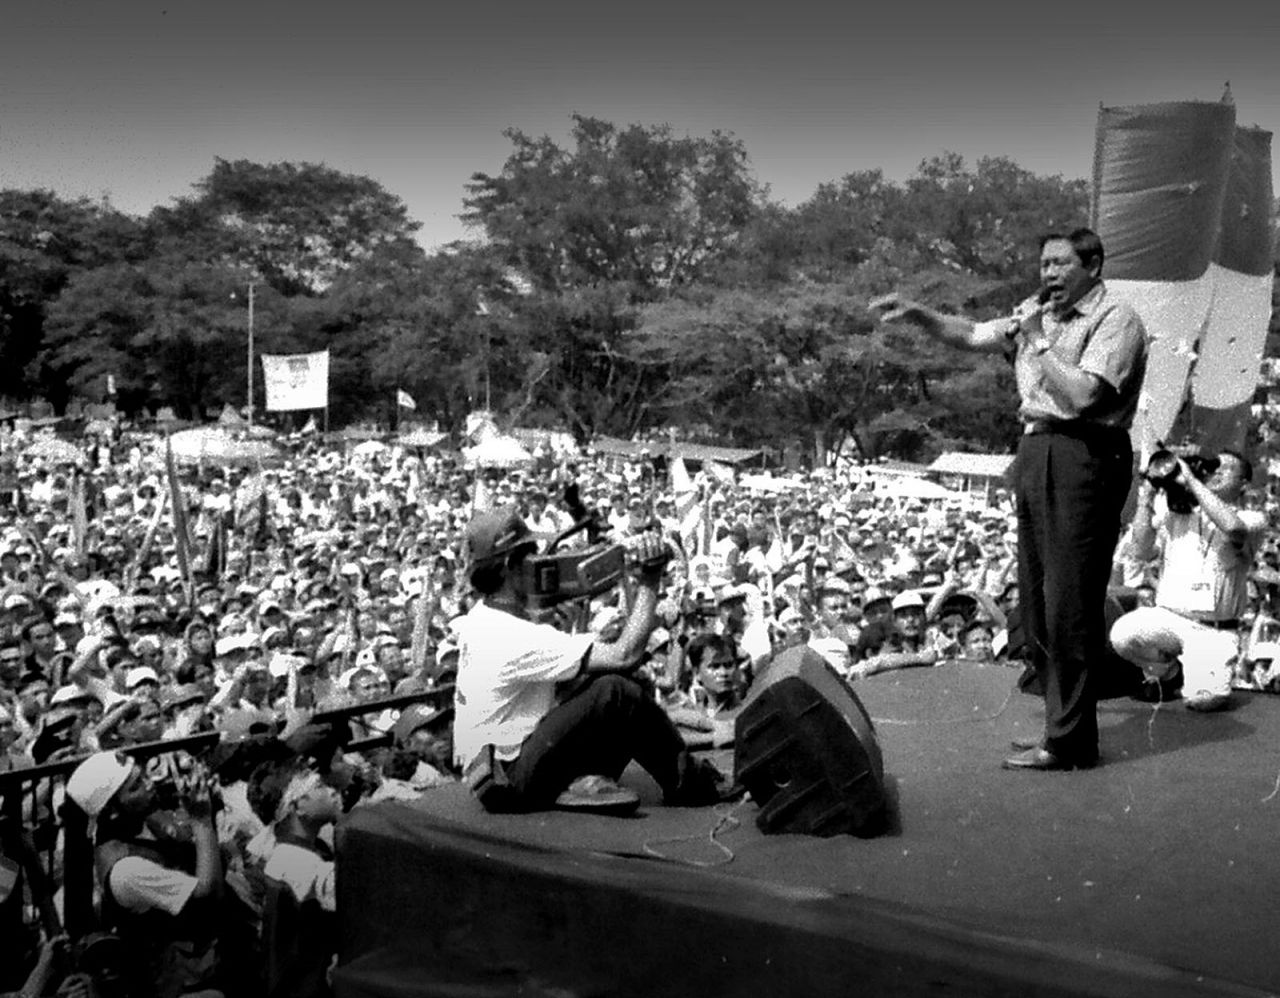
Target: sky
133,100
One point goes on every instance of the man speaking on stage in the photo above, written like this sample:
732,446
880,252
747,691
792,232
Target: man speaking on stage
1079,358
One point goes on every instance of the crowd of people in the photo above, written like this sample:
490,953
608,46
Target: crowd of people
333,581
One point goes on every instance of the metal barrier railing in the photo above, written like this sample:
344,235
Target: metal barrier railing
31,817
34,814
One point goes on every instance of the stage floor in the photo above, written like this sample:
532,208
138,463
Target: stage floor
1155,873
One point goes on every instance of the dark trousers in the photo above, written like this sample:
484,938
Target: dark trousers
608,722
1071,490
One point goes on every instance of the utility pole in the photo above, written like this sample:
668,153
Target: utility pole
249,407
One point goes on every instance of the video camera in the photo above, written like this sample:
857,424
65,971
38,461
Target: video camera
1164,473
553,577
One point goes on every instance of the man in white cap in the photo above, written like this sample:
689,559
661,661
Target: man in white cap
902,645
163,909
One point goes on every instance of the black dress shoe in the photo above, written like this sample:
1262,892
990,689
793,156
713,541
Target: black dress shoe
1022,744
1042,759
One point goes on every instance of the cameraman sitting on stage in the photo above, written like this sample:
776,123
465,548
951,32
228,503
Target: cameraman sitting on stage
1206,544
545,749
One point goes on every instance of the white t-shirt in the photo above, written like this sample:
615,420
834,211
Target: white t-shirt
1203,574
140,884
508,669
305,873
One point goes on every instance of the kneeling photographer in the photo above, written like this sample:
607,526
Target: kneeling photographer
523,740
1205,542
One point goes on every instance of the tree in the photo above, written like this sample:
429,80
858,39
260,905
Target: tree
623,217
808,363
169,332
45,241
636,206
987,221
296,225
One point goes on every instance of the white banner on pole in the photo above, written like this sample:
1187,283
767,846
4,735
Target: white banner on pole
296,381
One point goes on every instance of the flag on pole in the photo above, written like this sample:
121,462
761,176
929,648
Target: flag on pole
405,401
688,511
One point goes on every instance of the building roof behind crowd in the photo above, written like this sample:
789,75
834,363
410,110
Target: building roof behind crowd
973,465
689,452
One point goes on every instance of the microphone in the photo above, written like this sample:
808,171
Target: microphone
1026,314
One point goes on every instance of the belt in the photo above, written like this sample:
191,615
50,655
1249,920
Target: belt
1081,429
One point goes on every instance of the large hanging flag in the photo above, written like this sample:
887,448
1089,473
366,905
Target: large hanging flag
296,381
1181,200
1229,360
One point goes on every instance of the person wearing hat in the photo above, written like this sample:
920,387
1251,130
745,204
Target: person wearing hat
877,606
835,631
142,681
185,712
522,745
161,880
42,641
69,627
898,643
427,732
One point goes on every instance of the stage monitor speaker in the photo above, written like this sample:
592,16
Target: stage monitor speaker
805,748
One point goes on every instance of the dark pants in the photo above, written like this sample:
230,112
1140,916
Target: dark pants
1071,490
598,730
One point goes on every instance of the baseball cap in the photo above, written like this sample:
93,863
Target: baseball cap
734,592
182,695
907,600
233,643
446,648
874,595
97,779
495,534
415,716
138,675
70,694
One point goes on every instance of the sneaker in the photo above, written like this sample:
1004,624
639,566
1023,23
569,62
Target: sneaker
598,795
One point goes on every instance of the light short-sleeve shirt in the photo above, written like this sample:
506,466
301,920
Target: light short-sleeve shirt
1101,335
139,884
1203,574
508,669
